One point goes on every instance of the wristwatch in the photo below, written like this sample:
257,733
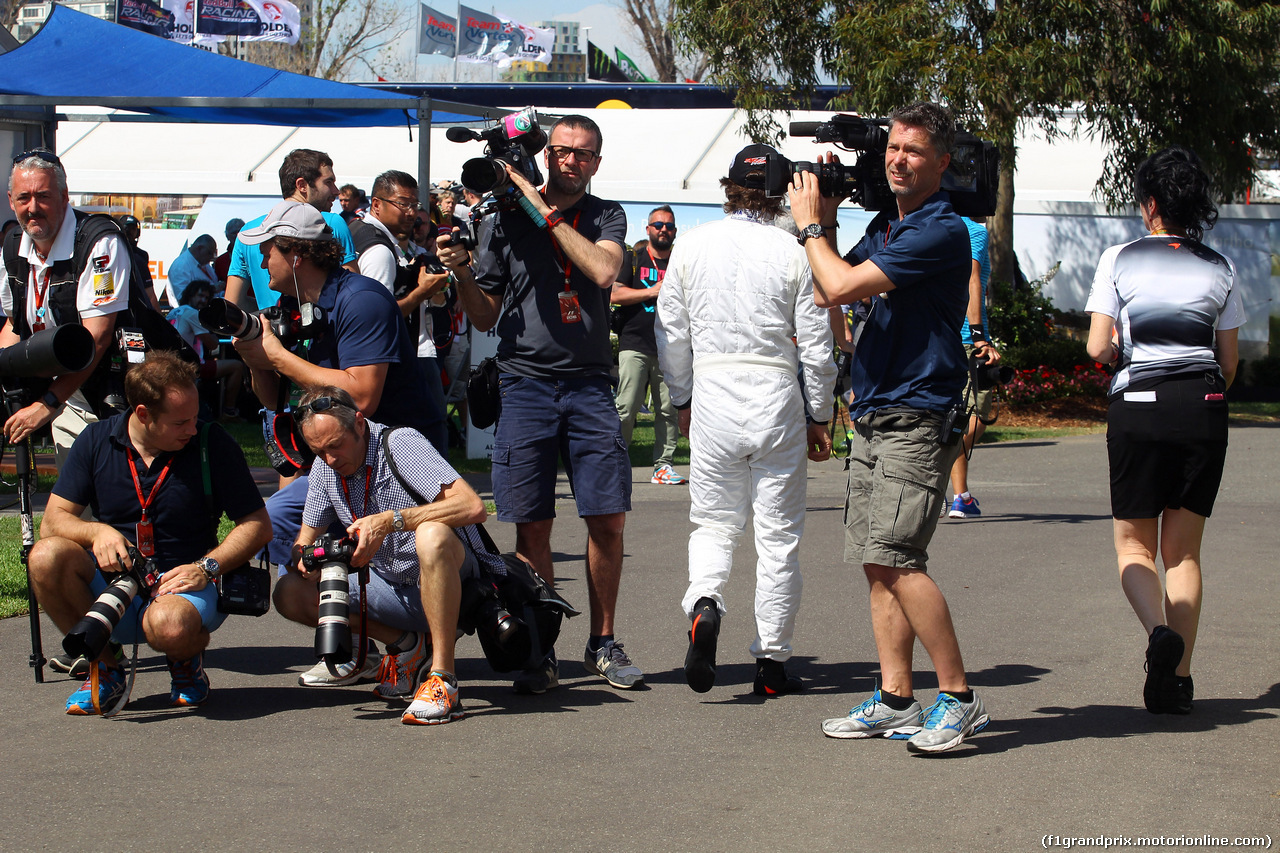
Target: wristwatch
210,567
397,521
553,218
814,230
51,400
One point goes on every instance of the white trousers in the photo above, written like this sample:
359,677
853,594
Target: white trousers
747,453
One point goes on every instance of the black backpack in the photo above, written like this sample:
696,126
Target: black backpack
520,592
139,327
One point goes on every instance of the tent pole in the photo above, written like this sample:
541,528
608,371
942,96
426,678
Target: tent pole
424,144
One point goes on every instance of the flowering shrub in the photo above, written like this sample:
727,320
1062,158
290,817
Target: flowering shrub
1045,383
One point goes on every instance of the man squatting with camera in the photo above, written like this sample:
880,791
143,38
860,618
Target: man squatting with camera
417,546
747,354
543,277
908,372
351,336
141,473
54,293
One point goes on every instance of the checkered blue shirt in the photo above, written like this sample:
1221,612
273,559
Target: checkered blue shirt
420,465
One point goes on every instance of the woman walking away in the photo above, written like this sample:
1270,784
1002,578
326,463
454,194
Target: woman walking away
1166,311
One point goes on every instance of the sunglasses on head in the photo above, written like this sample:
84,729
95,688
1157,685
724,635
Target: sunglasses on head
324,404
39,154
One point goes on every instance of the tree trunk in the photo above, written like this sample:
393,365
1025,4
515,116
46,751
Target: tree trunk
1000,226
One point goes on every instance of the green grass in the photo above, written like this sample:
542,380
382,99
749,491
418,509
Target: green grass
13,578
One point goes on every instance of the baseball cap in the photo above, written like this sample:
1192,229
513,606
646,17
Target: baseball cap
750,159
289,218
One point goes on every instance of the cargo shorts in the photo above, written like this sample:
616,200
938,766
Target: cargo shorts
897,479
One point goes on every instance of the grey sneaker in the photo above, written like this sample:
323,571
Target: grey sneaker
342,675
612,664
545,676
873,718
79,667
401,671
948,722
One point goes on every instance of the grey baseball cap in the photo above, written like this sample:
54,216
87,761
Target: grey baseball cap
289,218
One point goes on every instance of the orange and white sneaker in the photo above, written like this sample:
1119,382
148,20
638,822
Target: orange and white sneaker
401,672
435,702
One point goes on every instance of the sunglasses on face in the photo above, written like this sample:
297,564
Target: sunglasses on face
662,226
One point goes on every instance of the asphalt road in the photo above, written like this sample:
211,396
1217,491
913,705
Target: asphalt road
1049,640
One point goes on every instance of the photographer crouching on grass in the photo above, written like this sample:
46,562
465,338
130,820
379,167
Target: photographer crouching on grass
142,474
415,544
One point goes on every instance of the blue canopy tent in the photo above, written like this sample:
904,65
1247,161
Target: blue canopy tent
79,60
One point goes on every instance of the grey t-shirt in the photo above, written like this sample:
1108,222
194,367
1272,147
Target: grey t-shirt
519,260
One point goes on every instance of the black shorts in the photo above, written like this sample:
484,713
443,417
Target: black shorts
1166,444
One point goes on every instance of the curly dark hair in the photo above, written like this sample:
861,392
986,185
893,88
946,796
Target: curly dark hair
754,201
1182,190
326,254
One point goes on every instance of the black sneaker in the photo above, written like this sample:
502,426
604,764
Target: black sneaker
700,662
79,667
1164,653
1179,701
772,679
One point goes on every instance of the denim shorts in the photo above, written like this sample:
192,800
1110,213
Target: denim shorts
399,605
542,422
130,628
897,475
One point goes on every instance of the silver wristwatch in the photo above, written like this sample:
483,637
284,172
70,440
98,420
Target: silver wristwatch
210,567
397,521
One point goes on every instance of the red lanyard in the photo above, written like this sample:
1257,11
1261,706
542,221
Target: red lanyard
40,294
886,232
137,484
565,263
368,478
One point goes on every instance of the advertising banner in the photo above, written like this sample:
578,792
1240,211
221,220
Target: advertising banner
146,16
438,32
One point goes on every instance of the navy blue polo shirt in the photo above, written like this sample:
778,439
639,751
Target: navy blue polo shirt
366,327
97,475
910,352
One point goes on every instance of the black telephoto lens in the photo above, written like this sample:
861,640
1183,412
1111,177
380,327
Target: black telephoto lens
89,636
333,630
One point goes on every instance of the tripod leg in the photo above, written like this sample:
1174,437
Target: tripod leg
26,482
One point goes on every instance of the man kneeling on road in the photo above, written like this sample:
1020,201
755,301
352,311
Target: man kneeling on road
142,474
418,547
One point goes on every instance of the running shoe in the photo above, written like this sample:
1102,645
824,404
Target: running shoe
1164,653
401,672
79,667
960,508
189,683
612,664
341,675
947,722
543,677
111,686
435,702
700,661
1184,690
772,679
665,475
873,718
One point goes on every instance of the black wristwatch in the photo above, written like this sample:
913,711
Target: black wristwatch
814,230
51,400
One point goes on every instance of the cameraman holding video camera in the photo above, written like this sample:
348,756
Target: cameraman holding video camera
417,546
141,473
908,374
542,276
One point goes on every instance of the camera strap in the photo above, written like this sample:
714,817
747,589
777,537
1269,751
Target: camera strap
128,684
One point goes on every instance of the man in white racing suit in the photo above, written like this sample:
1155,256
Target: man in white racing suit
738,336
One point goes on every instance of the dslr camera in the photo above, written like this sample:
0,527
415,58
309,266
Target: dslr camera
332,558
515,139
987,376
290,325
971,179
88,637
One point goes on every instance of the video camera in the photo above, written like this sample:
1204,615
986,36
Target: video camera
332,557
515,139
972,179
289,325
89,636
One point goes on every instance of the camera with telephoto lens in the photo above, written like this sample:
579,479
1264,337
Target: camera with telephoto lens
89,636
971,179
515,139
289,325
987,376
332,557
483,612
